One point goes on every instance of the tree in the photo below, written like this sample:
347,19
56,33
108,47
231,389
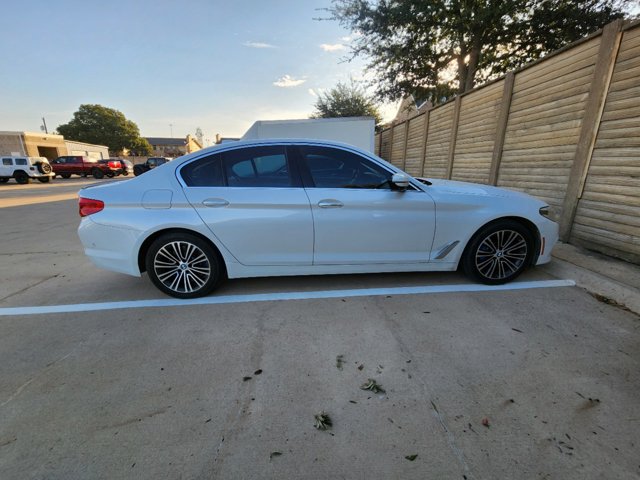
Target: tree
346,100
105,126
434,48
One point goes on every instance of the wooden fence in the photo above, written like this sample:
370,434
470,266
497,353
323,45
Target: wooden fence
565,129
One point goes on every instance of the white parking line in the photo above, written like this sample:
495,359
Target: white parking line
269,297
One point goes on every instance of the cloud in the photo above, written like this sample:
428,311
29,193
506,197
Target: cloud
258,45
332,48
288,81
312,92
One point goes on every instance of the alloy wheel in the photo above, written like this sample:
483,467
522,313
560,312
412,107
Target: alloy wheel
501,254
182,267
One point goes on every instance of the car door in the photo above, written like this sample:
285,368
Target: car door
359,218
252,200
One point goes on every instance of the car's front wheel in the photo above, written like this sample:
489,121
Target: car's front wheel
44,179
183,265
97,173
498,253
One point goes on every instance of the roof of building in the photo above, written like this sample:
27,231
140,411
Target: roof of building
166,141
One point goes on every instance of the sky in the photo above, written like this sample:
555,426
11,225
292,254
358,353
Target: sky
170,66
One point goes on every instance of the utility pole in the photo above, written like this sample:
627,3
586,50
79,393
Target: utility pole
44,124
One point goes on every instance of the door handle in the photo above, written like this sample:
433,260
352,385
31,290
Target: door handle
330,203
215,202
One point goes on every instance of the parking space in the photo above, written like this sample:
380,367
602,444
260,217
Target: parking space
528,383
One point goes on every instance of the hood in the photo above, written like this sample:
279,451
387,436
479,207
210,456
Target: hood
466,188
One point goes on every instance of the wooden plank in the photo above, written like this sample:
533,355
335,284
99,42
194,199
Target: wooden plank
559,59
552,75
552,93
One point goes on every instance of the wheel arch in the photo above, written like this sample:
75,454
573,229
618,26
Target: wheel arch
528,224
144,248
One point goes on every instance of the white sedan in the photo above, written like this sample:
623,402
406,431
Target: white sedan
305,207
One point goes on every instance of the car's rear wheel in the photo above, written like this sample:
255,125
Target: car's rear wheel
183,265
21,177
44,179
97,173
498,253
4,180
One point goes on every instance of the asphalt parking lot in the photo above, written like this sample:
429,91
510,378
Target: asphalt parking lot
535,382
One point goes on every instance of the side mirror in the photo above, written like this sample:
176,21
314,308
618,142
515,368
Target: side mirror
400,180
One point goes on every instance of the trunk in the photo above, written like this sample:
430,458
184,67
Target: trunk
474,58
463,74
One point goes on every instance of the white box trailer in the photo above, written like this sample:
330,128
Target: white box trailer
357,131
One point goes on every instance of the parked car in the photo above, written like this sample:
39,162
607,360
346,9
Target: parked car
305,207
114,167
127,166
80,165
23,169
151,163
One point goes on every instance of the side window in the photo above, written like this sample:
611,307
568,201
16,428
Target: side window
257,167
21,161
204,172
7,162
336,168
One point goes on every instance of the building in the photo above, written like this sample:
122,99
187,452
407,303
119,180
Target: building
32,144
173,147
98,152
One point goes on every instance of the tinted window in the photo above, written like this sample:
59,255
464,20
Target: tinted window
21,161
257,167
335,168
204,172
7,161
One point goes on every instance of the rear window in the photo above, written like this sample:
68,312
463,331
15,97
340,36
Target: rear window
7,161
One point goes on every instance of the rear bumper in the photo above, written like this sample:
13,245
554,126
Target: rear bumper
109,248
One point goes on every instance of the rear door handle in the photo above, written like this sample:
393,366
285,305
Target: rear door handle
215,202
330,203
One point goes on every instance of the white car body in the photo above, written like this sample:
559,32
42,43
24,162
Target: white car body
262,231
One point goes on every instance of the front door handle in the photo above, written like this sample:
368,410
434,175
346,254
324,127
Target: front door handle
330,203
215,202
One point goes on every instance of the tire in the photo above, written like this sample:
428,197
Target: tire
183,265
65,175
138,170
44,167
97,173
44,179
21,177
498,253
4,180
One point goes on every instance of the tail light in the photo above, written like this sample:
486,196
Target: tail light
88,206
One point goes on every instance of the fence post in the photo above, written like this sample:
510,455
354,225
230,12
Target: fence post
501,128
605,63
427,116
380,144
406,141
454,135
390,159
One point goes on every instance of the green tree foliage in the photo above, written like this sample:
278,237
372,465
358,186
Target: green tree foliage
346,100
434,48
105,126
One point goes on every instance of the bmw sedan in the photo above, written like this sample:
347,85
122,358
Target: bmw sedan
305,207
